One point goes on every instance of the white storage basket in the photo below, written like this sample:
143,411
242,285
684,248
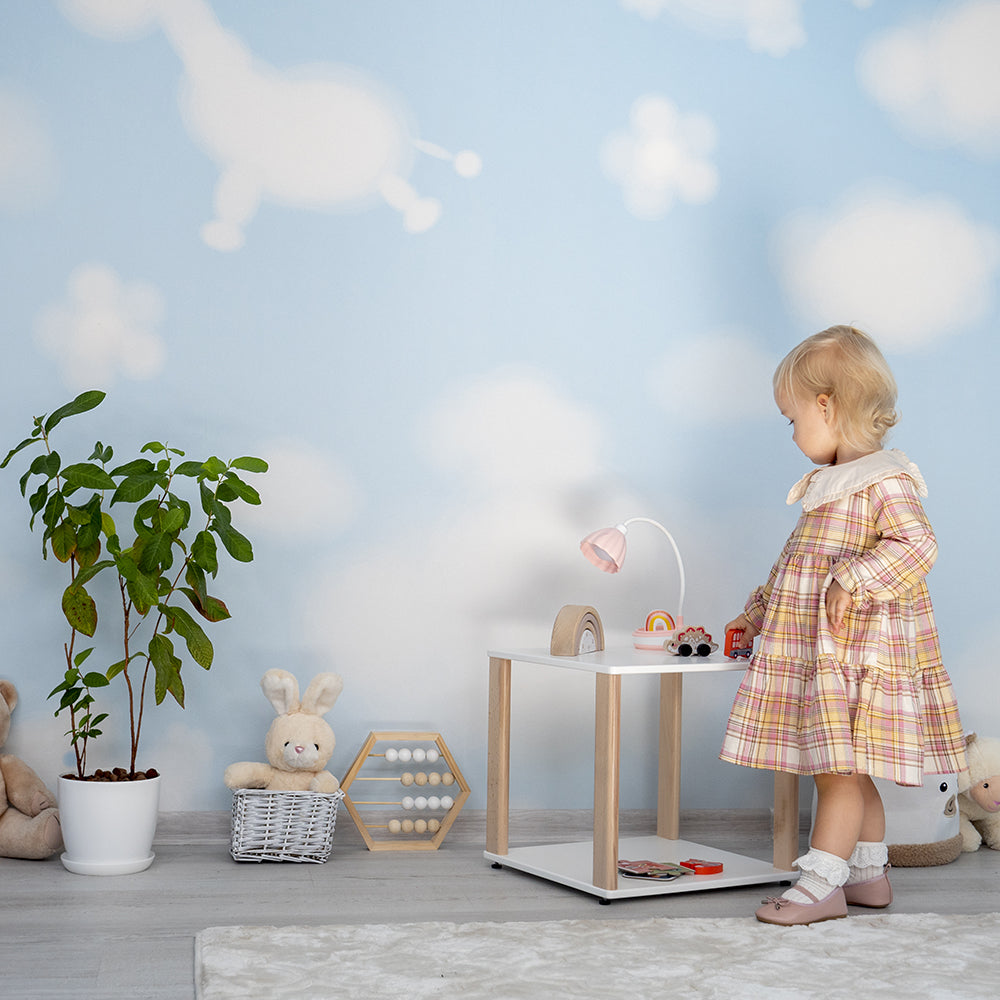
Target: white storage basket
283,826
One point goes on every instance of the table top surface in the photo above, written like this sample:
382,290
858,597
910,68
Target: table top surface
623,660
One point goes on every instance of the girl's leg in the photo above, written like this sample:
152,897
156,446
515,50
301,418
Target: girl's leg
870,856
840,810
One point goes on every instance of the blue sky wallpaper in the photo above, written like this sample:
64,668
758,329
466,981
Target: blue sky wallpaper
477,278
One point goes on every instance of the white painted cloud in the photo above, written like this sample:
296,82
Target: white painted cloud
510,430
662,155
526,463
939,77
302,488
770,26
105,327
27,162
325,137
719,377
908,269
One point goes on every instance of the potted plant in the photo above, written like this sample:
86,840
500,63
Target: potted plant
133,543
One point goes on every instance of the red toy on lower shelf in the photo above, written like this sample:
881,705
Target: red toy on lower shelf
702,867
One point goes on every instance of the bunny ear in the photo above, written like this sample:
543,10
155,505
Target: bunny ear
282,690
322,693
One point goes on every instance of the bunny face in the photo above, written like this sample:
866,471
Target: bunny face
299,741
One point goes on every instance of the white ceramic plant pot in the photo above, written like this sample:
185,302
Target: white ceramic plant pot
108,827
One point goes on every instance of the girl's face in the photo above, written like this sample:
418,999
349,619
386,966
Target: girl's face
813,433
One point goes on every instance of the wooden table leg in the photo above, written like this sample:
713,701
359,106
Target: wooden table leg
668,799
607,749
786,819
498,759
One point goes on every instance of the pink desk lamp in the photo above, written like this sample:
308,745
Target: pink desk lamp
606,550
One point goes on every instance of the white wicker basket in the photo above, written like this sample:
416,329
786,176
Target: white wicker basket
283,826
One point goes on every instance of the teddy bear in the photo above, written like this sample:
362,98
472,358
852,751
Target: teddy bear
299,743
979,802
29,821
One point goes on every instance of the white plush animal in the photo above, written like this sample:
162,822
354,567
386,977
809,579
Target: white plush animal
979,804
299,743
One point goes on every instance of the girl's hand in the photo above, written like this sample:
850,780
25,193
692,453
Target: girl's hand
838,602
742,622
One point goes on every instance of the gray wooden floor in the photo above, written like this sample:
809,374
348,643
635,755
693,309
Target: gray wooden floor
132,937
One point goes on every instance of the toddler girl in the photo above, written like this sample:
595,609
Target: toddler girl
847,681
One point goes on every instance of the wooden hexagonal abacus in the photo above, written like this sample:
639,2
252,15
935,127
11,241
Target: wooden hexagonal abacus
412,762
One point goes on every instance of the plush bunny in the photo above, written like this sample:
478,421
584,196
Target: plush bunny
299,742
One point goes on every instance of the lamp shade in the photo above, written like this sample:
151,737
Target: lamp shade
605,548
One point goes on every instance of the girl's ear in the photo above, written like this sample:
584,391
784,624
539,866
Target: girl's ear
823,401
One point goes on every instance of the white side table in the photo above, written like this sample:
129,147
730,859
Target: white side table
592,866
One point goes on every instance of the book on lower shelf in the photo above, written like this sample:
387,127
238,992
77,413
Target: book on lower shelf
656,871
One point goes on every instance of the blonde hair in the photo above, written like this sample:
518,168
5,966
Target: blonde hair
845,364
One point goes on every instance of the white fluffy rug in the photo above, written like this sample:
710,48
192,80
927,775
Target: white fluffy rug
866,957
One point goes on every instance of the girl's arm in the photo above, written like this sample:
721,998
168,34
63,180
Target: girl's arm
905,552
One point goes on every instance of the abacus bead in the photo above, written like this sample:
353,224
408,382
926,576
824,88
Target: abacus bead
434,825
406,778
419,754
434,778
392,755
407,802
395,826
447,801
407,825
432,755
420,826
420,802
433,802
420,778
404,754
447,778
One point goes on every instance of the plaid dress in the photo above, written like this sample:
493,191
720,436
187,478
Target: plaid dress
873,698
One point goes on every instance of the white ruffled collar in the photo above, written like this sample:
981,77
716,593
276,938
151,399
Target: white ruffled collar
833,482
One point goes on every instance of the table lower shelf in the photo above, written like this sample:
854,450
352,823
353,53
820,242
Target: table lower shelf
573,865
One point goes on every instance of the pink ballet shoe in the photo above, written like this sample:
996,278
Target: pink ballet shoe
778,910
876,892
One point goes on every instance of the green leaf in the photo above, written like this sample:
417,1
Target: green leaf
237,545
95,680
82,655
213,467
84,402
143,592
174,520
80,610
13,451
198,644
241,489
210,608
249,464
168,669
156,554
138,467
136,488
88,476
115,669
204,552
63,541
190,469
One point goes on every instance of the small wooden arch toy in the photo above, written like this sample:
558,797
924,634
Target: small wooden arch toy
416,762
577,629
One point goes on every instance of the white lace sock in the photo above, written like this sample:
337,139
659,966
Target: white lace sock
821,874
868,861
